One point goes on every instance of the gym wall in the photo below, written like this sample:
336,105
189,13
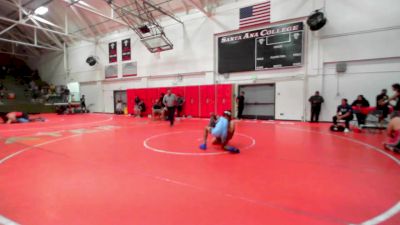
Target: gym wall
357,32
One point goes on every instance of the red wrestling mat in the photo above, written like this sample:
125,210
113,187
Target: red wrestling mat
104,169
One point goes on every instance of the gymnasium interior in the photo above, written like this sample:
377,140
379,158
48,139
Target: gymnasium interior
200,112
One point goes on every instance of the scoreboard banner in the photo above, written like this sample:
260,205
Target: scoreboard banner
129,69
112,52
126,49
111,71
272,47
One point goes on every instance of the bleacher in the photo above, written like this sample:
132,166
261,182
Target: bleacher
17,95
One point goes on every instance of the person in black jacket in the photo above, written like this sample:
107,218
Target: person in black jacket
240,104
382,105
316,101
359,103
344,112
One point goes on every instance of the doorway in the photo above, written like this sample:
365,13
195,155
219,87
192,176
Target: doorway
119,96
259,101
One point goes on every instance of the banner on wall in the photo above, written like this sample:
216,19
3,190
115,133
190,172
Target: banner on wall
129,69
126,49
112,52
111,71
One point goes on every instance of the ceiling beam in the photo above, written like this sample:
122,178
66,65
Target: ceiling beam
51,36
160,9
96,12
7,29
199,7
45,29
16,36
83,21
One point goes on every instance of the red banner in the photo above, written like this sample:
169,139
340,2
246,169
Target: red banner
126,49
112,52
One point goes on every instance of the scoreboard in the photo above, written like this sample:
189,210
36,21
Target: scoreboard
273,47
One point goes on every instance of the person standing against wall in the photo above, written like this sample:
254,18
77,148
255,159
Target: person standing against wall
83,104
170,102
316,100
180,103
240,102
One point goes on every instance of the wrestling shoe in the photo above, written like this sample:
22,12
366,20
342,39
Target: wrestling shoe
232,149
203,146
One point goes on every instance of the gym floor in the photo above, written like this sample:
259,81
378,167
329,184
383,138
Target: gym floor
106,169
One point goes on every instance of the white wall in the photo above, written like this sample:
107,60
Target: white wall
289,100
362,77
362,33
93,95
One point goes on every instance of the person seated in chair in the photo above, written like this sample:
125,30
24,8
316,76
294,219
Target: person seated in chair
357,105
157,110
344,112
382,105
140,108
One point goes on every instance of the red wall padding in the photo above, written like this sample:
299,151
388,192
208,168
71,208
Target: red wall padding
201,101
224,98
130,98
192,96
207,100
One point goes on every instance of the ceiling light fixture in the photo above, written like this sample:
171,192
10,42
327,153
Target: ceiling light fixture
41,10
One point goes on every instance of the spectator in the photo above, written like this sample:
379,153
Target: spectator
157,110
137,100
359,103
2,91
162,99
240,102
66,94
316,100
119,107
140,107
83,103
382,105
344,112
180,102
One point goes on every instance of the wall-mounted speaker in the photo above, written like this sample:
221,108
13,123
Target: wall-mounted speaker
91,61
316,20
341,67
144,29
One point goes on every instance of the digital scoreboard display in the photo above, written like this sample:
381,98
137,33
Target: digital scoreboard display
273,47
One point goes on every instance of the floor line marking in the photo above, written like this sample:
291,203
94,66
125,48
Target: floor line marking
386,214
146,145
6,221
